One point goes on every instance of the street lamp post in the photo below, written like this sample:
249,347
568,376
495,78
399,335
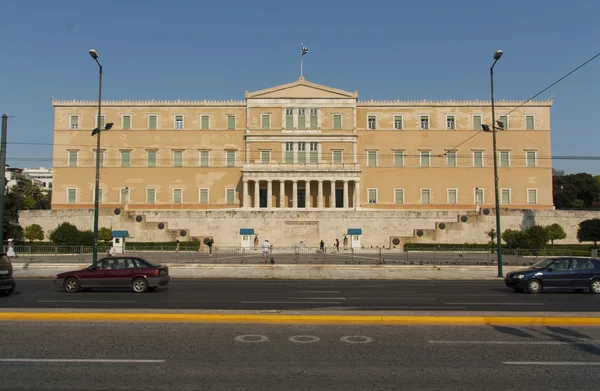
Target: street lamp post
94,55
497,56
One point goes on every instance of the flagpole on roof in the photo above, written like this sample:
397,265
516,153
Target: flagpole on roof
303,51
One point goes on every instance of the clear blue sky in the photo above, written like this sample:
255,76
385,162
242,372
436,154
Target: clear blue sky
218,49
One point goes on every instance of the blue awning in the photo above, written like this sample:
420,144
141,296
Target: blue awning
247,231
120,234
354,231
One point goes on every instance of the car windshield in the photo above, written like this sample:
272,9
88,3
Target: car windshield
542,264
150,264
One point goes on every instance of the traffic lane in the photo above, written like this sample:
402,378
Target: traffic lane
303,295
294,357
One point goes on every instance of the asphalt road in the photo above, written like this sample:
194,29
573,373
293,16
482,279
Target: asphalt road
334,295
283,357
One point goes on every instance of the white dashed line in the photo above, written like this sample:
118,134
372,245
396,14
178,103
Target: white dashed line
59,360
555,363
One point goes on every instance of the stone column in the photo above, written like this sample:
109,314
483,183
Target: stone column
256,194
332,195
357,195
269,193
294,193
320,200
245,195
346,194
282,194
307,194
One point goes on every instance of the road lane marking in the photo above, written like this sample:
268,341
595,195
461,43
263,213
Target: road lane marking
318,291
512,342
566,363
409,307
251,338
392,298
290,302
108,361
317,298
496,303
304,339
356,339
86,301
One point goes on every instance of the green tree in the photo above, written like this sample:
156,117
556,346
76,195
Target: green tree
13,203
34,232
537,236
589,231
86,238
515,239
65,234
105,234
575,190
555,232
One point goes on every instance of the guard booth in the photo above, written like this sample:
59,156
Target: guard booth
247,237
118,239
355,235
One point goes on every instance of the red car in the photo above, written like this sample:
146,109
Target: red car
116,272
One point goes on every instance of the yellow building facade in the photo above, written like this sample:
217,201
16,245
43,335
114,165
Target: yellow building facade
301,146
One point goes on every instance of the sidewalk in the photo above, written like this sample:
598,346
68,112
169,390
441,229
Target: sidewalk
292,272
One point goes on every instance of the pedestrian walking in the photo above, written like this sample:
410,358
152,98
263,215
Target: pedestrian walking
266,250
111,251
210,247
322,246
337,246
11,250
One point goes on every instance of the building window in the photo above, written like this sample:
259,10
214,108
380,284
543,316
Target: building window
177,196
230,196
504,158
531,157
313,118
398,158
425,158
451,158
450,122
230,161
532,196
372,196
477,158
371,158
452,196
125,158
504,121
101,158
204,122
203,196
337,121
71,196
152,122
301,119
337,157
289,118
100,195
424,122
101,126
231,122
505,196
302,153
150,196
126,122
529,122
425,196
177,158
314,153
74,122
73,158
124,196
151,158
179,122
204,158
476,122
289,153
479,195
398,122
371,122
265,156
398,196
265,121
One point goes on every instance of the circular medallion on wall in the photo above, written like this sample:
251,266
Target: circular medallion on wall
442,226
395,241
117,211
161,225
139,218
464,219
419,233
182,232
486,211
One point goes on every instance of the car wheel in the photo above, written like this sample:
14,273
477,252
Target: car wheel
595,286
71,285
534,286
139,285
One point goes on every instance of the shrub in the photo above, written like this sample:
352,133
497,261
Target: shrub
65,234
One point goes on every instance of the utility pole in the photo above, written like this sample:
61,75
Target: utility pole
3,178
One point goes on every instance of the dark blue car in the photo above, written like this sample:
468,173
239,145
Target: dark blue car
557,273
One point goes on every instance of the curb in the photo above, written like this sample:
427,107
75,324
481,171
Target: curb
298,319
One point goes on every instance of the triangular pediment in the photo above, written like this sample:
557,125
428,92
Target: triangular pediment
301,89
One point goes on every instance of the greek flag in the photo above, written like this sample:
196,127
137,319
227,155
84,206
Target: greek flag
304,50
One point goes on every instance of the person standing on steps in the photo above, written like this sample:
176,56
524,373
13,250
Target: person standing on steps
322,246
266,250
210,247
